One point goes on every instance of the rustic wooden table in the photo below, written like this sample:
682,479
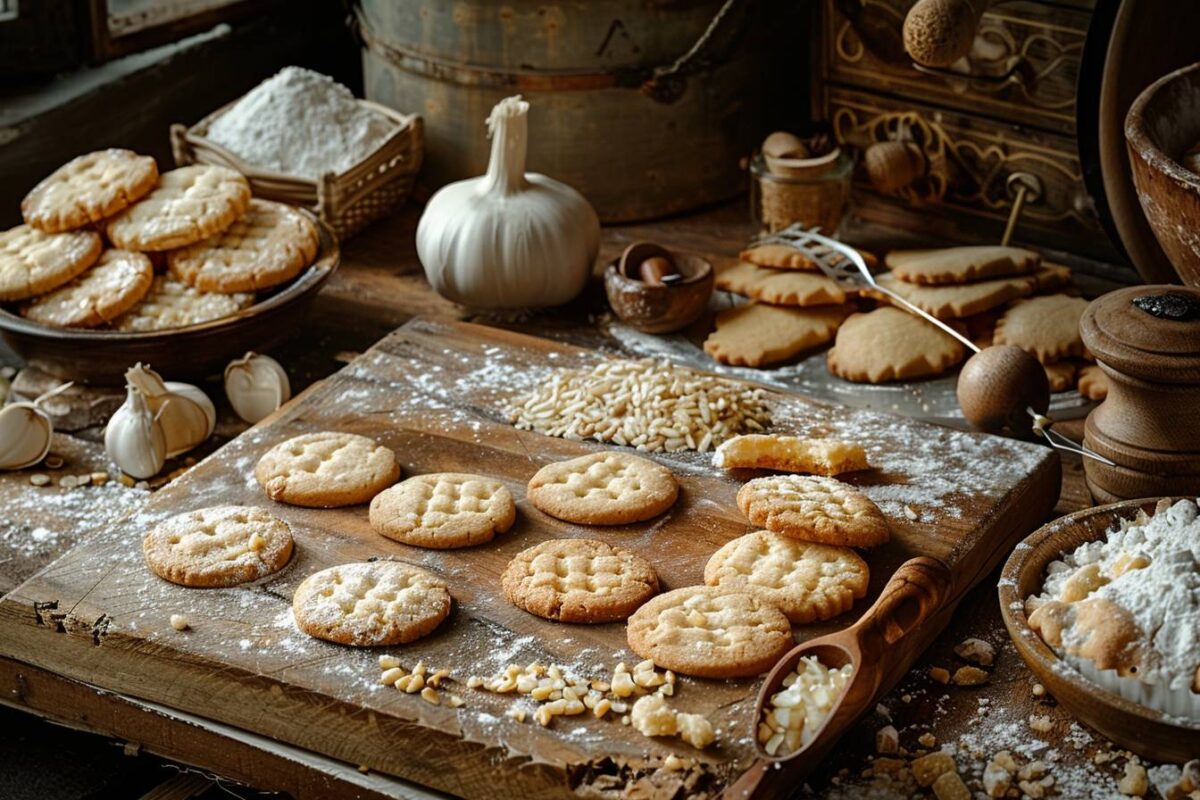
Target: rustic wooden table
379,287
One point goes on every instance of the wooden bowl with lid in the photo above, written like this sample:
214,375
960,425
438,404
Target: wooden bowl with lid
100,356
1143,730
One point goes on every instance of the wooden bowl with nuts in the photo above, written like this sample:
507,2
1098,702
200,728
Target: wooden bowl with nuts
656,291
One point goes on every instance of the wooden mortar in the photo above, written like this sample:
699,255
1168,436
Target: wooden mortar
1146,339
659,308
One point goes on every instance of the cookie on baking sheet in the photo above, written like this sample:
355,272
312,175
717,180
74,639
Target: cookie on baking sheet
953,265
710,633
790,454
808,582
1046,327
326,469
186,205
1060,375
268,245
888,344
757,334
89,188
103,292
782,256
171,304
814,509
780,287
368,604
32,262
1093,383
578,580
605,488
218,546
443,510
955,302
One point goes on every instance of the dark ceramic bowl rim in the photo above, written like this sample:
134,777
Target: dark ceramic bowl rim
1137,134
327,261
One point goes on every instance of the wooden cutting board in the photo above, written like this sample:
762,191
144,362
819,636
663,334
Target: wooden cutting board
436,394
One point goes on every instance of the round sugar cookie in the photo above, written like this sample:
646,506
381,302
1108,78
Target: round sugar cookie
443,510
814,509
89,188
578,580
808,582
1047,327
368,604
326,470
710,633
218,546
33,263
888,344
605,488
99,294
171,304
268,245
186,205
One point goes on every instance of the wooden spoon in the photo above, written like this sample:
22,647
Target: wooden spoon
912,595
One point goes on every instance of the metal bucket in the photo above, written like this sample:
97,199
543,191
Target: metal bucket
645,107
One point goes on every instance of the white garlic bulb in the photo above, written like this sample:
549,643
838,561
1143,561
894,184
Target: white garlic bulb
184,411
508,239
25,435
134,439
256,385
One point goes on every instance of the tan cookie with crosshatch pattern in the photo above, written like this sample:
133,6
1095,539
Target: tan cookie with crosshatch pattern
780,287
604,488
578,580
98,295
171,304
186,205
790,454
218,546
814,509
89,188
326,469
710,633
369,604
782,256
443,510
268,245
33,263
808,582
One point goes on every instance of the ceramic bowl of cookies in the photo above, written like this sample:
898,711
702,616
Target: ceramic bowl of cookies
1101,667
101,355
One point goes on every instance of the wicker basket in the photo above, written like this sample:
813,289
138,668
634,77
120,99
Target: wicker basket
348,202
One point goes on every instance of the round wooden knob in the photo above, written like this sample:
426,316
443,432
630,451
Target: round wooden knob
939,32
891,166
996,387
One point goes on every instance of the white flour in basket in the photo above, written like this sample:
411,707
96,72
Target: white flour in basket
302,123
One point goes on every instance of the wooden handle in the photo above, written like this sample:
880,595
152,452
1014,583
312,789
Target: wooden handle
914,592
939,32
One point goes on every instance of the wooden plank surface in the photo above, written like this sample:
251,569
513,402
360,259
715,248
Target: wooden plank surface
435,393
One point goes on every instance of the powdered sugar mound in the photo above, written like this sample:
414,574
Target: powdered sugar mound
300,122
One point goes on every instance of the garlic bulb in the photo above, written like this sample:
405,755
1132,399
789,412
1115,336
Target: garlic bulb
256,385
184,411
508,239
134,439
25,435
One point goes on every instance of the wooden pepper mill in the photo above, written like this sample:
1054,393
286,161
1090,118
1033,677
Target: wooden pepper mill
1146,339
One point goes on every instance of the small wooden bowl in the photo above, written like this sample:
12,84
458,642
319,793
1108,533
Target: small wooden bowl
658,309
1162,124
102,356
1147,732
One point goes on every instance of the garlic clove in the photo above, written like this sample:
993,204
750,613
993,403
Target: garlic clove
134,439
196,395
256,386
25,435
184,411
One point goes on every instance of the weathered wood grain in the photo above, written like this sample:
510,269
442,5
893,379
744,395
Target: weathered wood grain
435,393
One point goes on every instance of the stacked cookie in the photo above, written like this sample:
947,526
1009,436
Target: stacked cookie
793,307
97,227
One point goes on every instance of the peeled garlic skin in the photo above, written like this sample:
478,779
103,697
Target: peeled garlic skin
198,434
25,435
134,439
256,386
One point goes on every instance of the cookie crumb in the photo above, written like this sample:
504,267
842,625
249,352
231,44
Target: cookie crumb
1134,783
179,622
976,651
928,769
939,674
1039,690
39,479
927,739
1041,724
949,786
970,676
887,740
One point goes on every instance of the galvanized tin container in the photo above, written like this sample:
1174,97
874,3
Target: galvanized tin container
645,107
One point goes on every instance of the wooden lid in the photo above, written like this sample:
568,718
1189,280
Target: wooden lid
1150,332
